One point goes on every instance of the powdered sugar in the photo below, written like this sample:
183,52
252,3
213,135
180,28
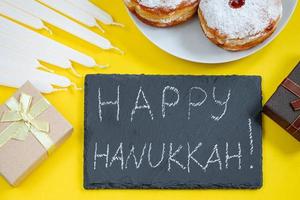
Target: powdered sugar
248,21
171,4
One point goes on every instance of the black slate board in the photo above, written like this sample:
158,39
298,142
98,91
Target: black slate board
204,133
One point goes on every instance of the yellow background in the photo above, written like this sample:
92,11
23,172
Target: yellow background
61,176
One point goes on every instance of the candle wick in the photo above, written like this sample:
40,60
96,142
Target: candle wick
100,28
75,72
59,89
48,30
118,50
75,86
102,66
46,69
118,24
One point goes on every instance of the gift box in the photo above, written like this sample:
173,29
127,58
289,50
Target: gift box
30,128
284,105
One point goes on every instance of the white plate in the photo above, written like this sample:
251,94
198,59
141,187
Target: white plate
187,41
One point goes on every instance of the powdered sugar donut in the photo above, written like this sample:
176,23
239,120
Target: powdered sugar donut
163,13
239,24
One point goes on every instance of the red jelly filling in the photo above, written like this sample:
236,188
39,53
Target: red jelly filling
236,3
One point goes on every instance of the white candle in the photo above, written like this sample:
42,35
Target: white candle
27,49
40,79
45,48
72,11
51,78
61,22
19,80
97,12
23,17
10,58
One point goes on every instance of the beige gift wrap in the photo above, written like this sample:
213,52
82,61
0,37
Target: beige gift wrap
29,129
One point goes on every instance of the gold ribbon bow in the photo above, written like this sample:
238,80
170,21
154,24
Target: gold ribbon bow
23,117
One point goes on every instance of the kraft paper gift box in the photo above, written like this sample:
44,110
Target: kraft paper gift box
30,128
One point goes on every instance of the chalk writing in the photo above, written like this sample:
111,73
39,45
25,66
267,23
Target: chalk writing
161,158
251,139
224,103
214,158
217,160
195,104
164,103
96,155
238,156
101,103
141,97
250,135
132,154
120,157
190,156
172,155
138,107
